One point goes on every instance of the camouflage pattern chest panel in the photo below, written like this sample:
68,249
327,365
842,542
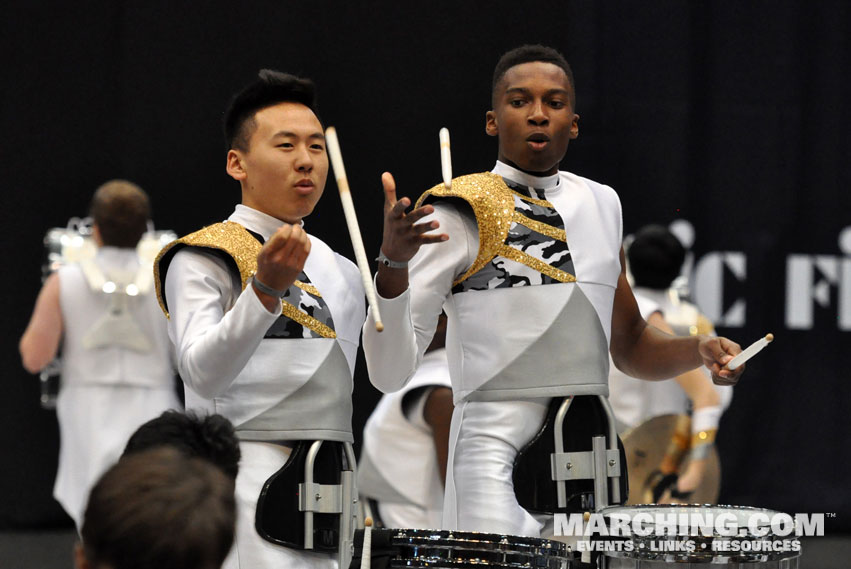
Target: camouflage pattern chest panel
305,314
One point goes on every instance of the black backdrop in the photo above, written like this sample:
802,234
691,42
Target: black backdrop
730,115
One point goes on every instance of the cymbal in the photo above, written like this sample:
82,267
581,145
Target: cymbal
646,446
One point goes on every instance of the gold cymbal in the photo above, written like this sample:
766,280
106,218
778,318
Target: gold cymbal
646,446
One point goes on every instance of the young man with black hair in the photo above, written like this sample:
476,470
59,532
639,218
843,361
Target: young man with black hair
266,318
211,437
116,365
158,509
530,272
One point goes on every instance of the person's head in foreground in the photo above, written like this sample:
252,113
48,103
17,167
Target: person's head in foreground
534,103
158,509
276,146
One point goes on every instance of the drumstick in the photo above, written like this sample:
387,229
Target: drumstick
352,222
750,352
366,549
445,158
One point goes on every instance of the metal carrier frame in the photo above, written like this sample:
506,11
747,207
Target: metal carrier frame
339,499
599,464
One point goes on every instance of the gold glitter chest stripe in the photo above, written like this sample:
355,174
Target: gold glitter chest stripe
308,288
532,262
525,198
309,322
540,227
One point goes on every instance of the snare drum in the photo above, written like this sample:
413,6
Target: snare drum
422,548
739,537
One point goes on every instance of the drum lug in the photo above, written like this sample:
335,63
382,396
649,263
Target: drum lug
613,462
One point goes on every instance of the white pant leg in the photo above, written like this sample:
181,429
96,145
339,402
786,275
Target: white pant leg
485,439
250,551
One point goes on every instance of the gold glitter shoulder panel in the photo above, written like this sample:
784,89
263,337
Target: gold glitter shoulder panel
493,205
228,237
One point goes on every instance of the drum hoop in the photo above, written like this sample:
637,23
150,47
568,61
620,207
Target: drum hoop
479,541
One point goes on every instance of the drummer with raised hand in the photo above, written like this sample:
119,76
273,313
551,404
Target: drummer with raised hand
530,272
265,319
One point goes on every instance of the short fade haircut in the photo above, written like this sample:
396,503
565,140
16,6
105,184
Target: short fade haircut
270,88
160,508
655,257
121,211
211,437
528,54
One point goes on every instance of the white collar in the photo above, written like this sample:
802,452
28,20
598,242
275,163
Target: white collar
256,221
518,176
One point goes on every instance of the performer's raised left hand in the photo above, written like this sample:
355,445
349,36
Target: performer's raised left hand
403,237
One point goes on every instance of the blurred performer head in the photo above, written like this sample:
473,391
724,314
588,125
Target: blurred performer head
533,113
211,437
158,509
655,257
121,211
276,146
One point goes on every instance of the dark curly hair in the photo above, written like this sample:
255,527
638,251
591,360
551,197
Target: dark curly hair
211,437
655,257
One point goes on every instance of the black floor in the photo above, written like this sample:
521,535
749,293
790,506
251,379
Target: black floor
53,550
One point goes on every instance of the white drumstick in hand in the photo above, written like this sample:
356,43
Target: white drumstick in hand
445,158
750,352
352,221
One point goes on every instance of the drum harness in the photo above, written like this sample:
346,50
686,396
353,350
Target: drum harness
339,499
599,464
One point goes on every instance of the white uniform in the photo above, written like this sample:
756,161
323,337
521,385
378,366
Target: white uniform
108,389
519,334
398,465
274,386
634,401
